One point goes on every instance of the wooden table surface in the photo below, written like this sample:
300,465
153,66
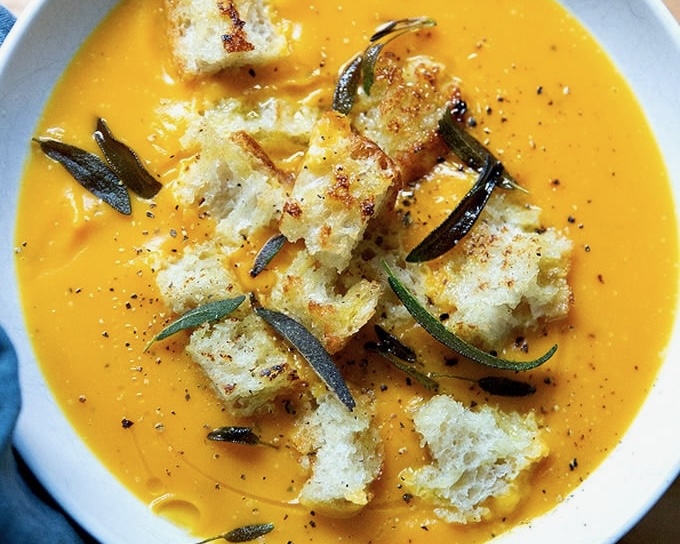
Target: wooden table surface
660,525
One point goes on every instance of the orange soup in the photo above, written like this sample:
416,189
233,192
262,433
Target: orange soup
547,101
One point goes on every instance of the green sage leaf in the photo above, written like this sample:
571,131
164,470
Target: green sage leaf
462,218
470,150
440,333
268,251
125,162
90,171
310,348
212,311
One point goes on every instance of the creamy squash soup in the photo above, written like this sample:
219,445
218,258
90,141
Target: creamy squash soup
346,271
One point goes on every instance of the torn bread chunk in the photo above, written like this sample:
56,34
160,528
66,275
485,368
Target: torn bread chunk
208,36
506,277
198,276
247,365
478,459
342,183
276,123
402,112
234,182
311,293
344,453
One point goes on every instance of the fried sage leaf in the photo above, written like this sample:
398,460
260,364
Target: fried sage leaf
235,435
268,251
388,343
496,385
310,348
246,533
505,387
462,218
362,66
125,162
399,26
470,150
390,30
410,370
90,171
212,311
440,333
347,86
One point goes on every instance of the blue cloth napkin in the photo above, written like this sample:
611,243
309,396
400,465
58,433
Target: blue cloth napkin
25,516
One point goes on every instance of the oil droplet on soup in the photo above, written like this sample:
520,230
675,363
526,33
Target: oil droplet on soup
91,308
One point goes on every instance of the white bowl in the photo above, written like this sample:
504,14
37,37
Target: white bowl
642,39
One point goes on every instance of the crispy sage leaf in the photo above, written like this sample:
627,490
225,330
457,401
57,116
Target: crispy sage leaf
212,311
440,333
346,89
400,26
362,66
125,162
496,385
249,532
505,387
389,343
310,348
90,171
462,218
242,534
390,30
468,149
410,370
235,435
268,251
368,65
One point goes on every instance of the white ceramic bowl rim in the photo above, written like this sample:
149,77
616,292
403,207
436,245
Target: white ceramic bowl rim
642,39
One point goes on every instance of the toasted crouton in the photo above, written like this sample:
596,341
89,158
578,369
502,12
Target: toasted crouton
247,365
477,457
276,123
342,184
507,276
199,275
403,110
234,182
309,291
343,451
210,35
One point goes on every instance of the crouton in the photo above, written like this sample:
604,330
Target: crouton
248,366
477,456
276,123
342,184
199,275
235,183
344,453
210,35
310,292
402,112
507,276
